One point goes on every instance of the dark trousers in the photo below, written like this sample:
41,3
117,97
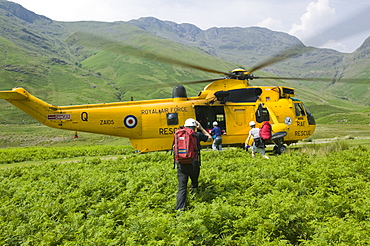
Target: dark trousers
185,171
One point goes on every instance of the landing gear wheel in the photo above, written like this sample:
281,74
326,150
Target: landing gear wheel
279,149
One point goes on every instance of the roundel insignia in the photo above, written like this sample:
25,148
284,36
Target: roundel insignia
130,121
288,121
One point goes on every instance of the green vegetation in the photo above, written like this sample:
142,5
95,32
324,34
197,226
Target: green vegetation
12,155
105,195
39,135
297,198
341,131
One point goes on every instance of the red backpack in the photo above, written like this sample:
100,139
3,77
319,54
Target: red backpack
265,130
185,146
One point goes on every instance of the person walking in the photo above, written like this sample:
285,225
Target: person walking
258,144
217,139
184,171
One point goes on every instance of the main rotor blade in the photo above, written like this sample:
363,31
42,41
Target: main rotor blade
118,47
176,83
332,80
183,64
199,81
285,54
338,31
190,82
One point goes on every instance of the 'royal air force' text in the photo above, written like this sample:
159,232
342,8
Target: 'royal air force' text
164,110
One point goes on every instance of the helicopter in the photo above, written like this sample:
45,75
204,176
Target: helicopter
150,124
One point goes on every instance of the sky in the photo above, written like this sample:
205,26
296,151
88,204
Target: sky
342,25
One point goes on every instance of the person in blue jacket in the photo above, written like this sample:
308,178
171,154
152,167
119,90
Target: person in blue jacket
217,139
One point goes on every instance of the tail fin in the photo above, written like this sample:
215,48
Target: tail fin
15,94
31,105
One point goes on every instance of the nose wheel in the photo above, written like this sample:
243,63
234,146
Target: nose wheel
279,149
278,139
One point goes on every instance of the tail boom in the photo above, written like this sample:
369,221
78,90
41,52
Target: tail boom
34,107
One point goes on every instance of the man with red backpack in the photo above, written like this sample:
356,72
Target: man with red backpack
187,157
258,143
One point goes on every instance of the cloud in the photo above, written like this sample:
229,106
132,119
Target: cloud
311,18
270,23
317,17
333,44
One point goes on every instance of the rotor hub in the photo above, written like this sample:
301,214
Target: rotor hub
241,74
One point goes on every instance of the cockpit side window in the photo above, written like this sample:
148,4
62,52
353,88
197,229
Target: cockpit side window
299,109
311,119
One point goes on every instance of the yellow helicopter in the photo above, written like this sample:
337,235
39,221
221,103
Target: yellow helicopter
150,124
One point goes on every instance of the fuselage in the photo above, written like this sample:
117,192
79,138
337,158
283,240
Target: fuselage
150,124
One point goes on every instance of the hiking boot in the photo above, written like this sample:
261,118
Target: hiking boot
194,190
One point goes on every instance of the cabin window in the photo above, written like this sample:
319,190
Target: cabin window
220,117
172,119
262,114
243,95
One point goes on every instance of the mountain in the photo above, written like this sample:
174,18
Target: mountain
253,45
89,62
248,46
244,45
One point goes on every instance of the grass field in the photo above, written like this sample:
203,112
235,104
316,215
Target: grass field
40,135
299,198
94,190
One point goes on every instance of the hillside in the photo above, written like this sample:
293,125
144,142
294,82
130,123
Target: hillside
250,46
89,62
41,56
